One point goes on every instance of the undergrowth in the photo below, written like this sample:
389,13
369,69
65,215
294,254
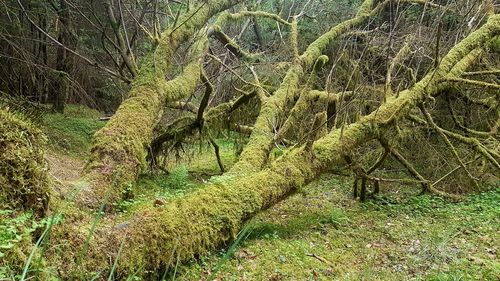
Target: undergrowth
319,233
72,131
160,188
16,231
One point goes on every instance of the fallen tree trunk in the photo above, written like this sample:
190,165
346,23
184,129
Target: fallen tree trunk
119,151
24,181
256,152
157,238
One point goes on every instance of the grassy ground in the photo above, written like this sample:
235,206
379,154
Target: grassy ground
183,177
319,233
71,133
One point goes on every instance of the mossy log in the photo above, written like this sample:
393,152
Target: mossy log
119,151
156,238
256,152
24,181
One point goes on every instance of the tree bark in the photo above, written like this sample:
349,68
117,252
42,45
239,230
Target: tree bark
212,216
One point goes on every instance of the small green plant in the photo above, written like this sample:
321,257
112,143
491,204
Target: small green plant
338,217
15,231
178,178
278,151
242,236
128,199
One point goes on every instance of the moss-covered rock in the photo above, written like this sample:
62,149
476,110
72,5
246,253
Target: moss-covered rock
23,170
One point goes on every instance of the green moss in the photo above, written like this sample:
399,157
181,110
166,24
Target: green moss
232,46
297,167
226,16
315,49
159,236
204,220
119,151
80,111
15,241
23,171
256,152
495,44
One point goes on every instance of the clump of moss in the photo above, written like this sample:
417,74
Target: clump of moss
495,44
23,170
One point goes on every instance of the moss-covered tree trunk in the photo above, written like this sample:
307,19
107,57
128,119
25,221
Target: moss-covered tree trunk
214,215
156,238
119,150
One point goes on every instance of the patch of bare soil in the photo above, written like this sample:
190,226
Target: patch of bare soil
63,169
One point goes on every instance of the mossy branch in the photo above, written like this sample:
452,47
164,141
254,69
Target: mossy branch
488,103
474,83
482,73
488,154
402,55
256,153
439,130
218,60
401,159
294,38
213,215
464,128
231,45
181,105
185,127
226,16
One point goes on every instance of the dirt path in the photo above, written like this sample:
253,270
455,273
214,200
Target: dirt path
63,169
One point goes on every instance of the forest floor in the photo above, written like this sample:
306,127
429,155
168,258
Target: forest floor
319,233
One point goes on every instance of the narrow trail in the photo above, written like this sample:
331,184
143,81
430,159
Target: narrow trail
63,169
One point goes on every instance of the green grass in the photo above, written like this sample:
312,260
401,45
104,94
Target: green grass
72,131
158,188
183,177
411,238
201,160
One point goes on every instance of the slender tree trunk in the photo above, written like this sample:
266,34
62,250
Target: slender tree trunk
64,60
